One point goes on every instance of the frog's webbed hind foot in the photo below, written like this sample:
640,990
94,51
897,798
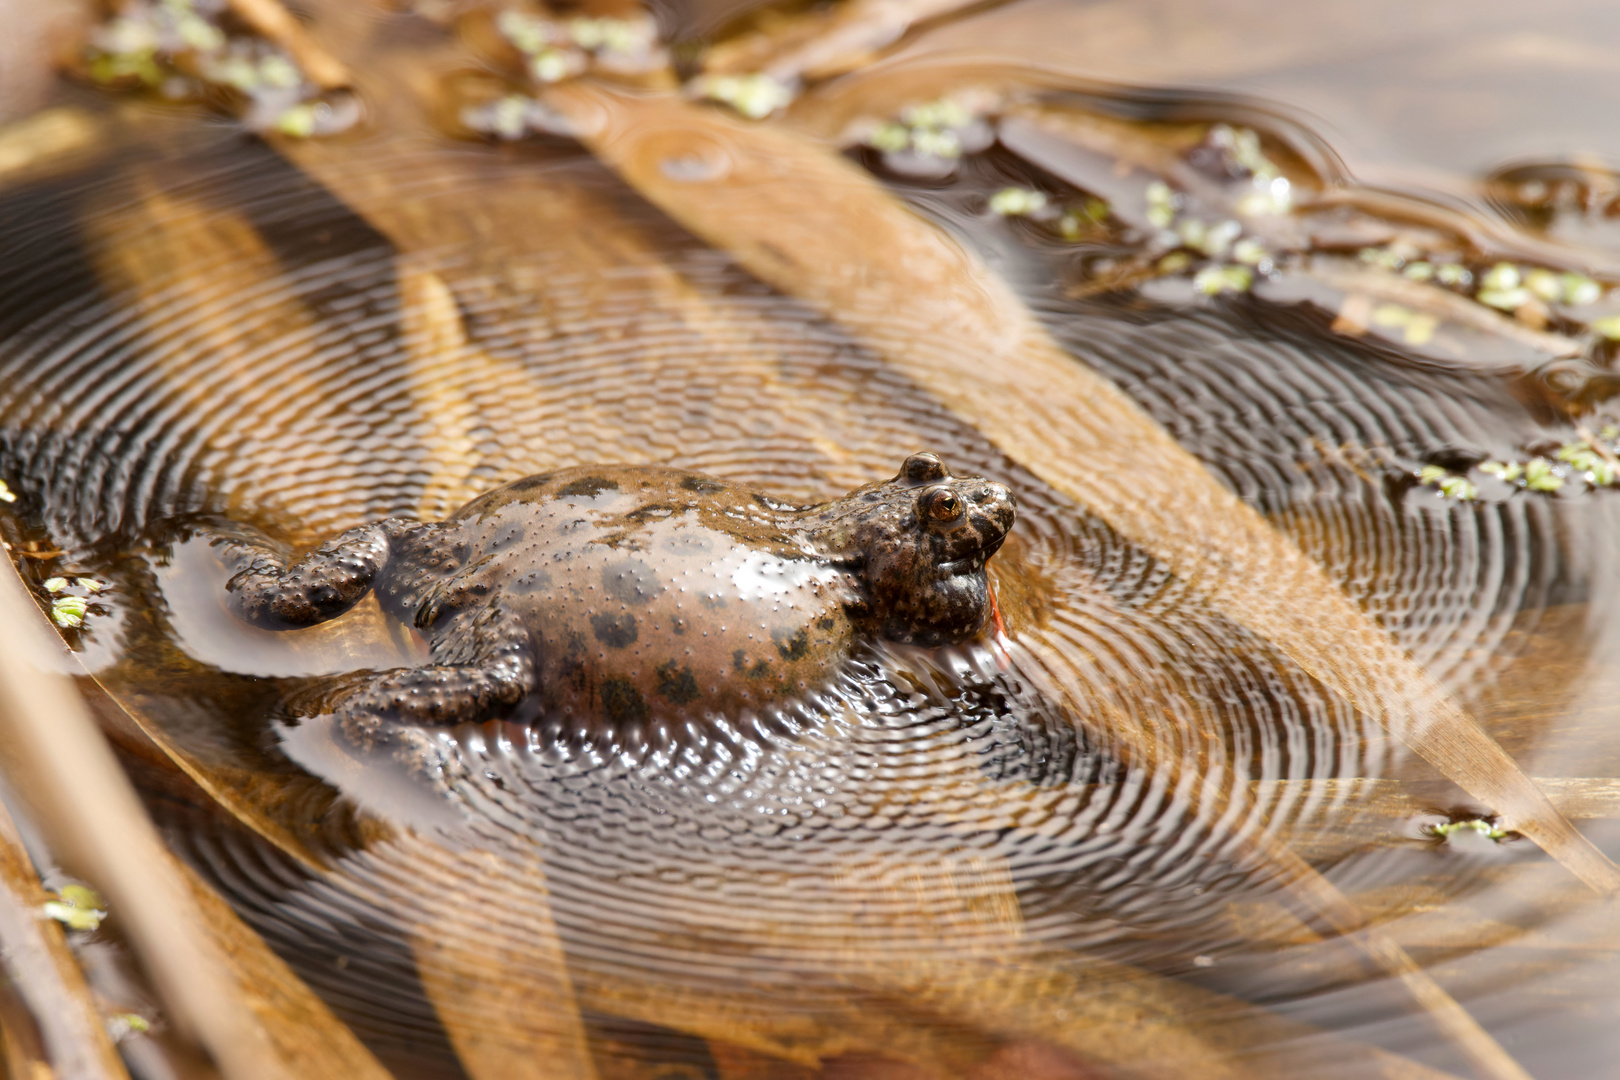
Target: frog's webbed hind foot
390,712
439,694
265,591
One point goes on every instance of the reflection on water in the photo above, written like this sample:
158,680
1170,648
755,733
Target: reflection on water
1086,854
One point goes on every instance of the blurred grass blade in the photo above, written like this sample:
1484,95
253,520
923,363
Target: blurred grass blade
303,1031
45,973
64,772
509,1017
827,43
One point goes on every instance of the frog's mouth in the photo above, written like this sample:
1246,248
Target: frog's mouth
990,536
968,565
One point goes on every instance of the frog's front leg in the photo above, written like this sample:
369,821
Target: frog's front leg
265,591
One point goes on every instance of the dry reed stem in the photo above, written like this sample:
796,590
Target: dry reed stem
825,44
273,21
45,973
66,775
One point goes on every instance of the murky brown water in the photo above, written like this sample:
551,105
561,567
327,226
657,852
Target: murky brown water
1080,854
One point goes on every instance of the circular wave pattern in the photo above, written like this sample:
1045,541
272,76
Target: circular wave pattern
186,337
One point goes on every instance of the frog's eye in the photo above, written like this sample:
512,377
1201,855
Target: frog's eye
922,468
942,504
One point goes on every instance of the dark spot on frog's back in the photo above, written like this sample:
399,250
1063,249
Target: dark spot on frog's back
703,485
614,629
794,646
678,685
587,487
535,580
630,581
651,512
622,702
739,663
573,661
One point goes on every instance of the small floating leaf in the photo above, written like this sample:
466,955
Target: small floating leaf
6,494
1599,470
1539,475
69,611
1017,202
55,584
1508,471
1161,204
754,96
1580,290
1609,327
1545,284
1479,825
1213,280
1376,256
940,144
527,33
78,907
1503,276
1249,252
1458,487
1449,484
121,1026
891,138
297,122
1505,299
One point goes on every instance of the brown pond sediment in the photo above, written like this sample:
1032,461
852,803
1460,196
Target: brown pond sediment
1162,830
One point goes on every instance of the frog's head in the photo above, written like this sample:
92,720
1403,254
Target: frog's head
919,543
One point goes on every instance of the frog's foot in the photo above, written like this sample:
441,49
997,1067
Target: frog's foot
420,753
441,694
388,713
322,585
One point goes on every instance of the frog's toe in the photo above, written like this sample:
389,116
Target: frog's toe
417,751
442,694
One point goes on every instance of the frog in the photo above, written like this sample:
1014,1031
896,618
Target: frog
619,597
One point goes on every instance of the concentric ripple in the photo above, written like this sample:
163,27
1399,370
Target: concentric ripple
927,848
